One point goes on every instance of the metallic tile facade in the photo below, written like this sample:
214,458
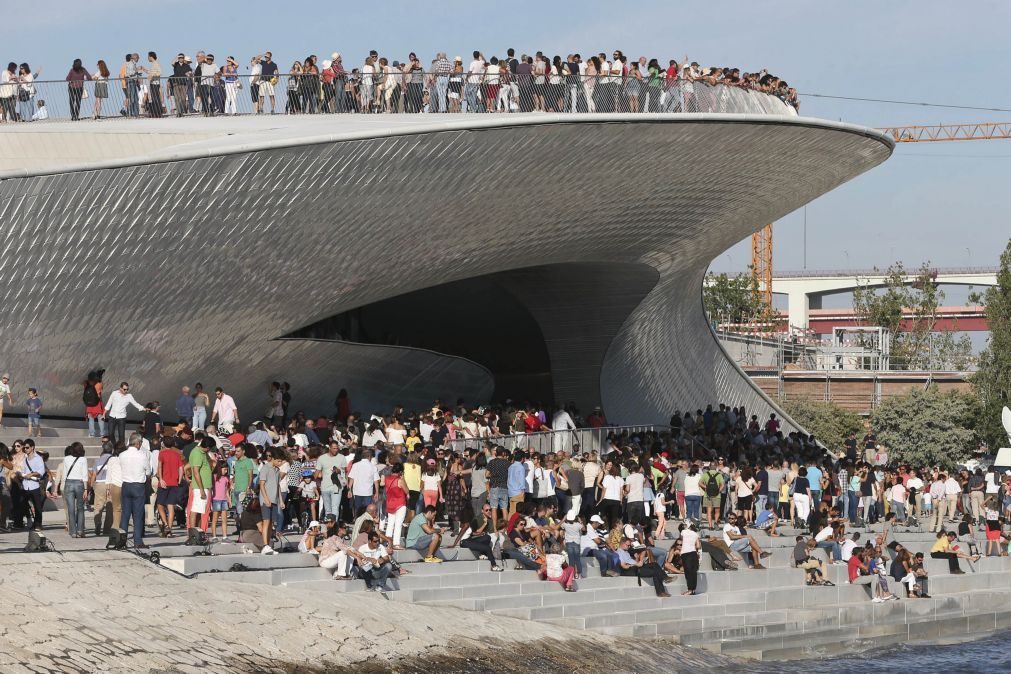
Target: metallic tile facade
171,272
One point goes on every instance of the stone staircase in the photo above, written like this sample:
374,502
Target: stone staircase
761,614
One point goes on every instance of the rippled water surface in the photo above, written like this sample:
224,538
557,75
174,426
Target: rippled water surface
992,654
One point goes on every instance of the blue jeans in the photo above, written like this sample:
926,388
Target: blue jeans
760,502
73,494
199,418
92,424
900,511
441,87
133,98
575,561
854,499
331,503
834,547
693,505
132,501
843,502
815,499
603,558
472,95
361,503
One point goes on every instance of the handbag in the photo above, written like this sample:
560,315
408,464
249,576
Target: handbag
84,92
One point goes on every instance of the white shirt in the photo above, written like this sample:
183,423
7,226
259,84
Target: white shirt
79,471
635,482
134,465
364,475
380,551
562,421
991,486
612,487
823,535
476,70
915,483
727,529
898,493
116,407
689,540
951,487
225,409
847,549
692,485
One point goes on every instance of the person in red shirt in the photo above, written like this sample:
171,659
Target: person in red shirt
170,472
533,424
596,418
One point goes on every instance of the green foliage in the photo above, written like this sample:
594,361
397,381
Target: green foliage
829,423
928,427
992,381
916,344
732,299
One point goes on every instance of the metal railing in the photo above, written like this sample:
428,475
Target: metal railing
373,94
585,440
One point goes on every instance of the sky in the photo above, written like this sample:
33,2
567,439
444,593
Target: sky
941,203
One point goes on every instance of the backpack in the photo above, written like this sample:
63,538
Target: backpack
90,396
712,485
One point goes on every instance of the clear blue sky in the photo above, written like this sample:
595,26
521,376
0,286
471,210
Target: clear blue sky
942,202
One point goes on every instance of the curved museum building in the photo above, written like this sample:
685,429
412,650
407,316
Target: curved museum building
402,257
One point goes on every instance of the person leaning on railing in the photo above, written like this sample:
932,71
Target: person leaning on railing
75,87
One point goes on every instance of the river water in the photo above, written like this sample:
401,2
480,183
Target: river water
992,654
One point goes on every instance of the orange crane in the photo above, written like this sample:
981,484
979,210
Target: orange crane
761,241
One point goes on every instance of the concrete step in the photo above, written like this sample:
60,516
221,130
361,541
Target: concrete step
221,563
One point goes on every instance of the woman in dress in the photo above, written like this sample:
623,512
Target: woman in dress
455,86
454,491
101,78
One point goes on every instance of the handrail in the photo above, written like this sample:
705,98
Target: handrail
580,441
296,94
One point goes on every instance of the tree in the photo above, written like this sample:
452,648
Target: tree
928,427
733,299
829,423
992,381
916,344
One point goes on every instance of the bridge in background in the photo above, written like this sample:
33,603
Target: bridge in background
805,290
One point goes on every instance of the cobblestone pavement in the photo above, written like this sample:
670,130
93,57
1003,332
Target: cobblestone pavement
92,610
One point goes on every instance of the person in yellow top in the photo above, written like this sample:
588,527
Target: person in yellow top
944,548
412,441
412,476
784,498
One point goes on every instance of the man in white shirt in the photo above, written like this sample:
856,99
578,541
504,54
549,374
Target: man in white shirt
363,482
848,546
940,504
225,412
115,409
472,89
952,490
135,465
375,565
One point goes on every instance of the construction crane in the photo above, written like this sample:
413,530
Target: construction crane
761,241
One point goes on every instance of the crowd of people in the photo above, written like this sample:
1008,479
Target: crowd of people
206,85
354,489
